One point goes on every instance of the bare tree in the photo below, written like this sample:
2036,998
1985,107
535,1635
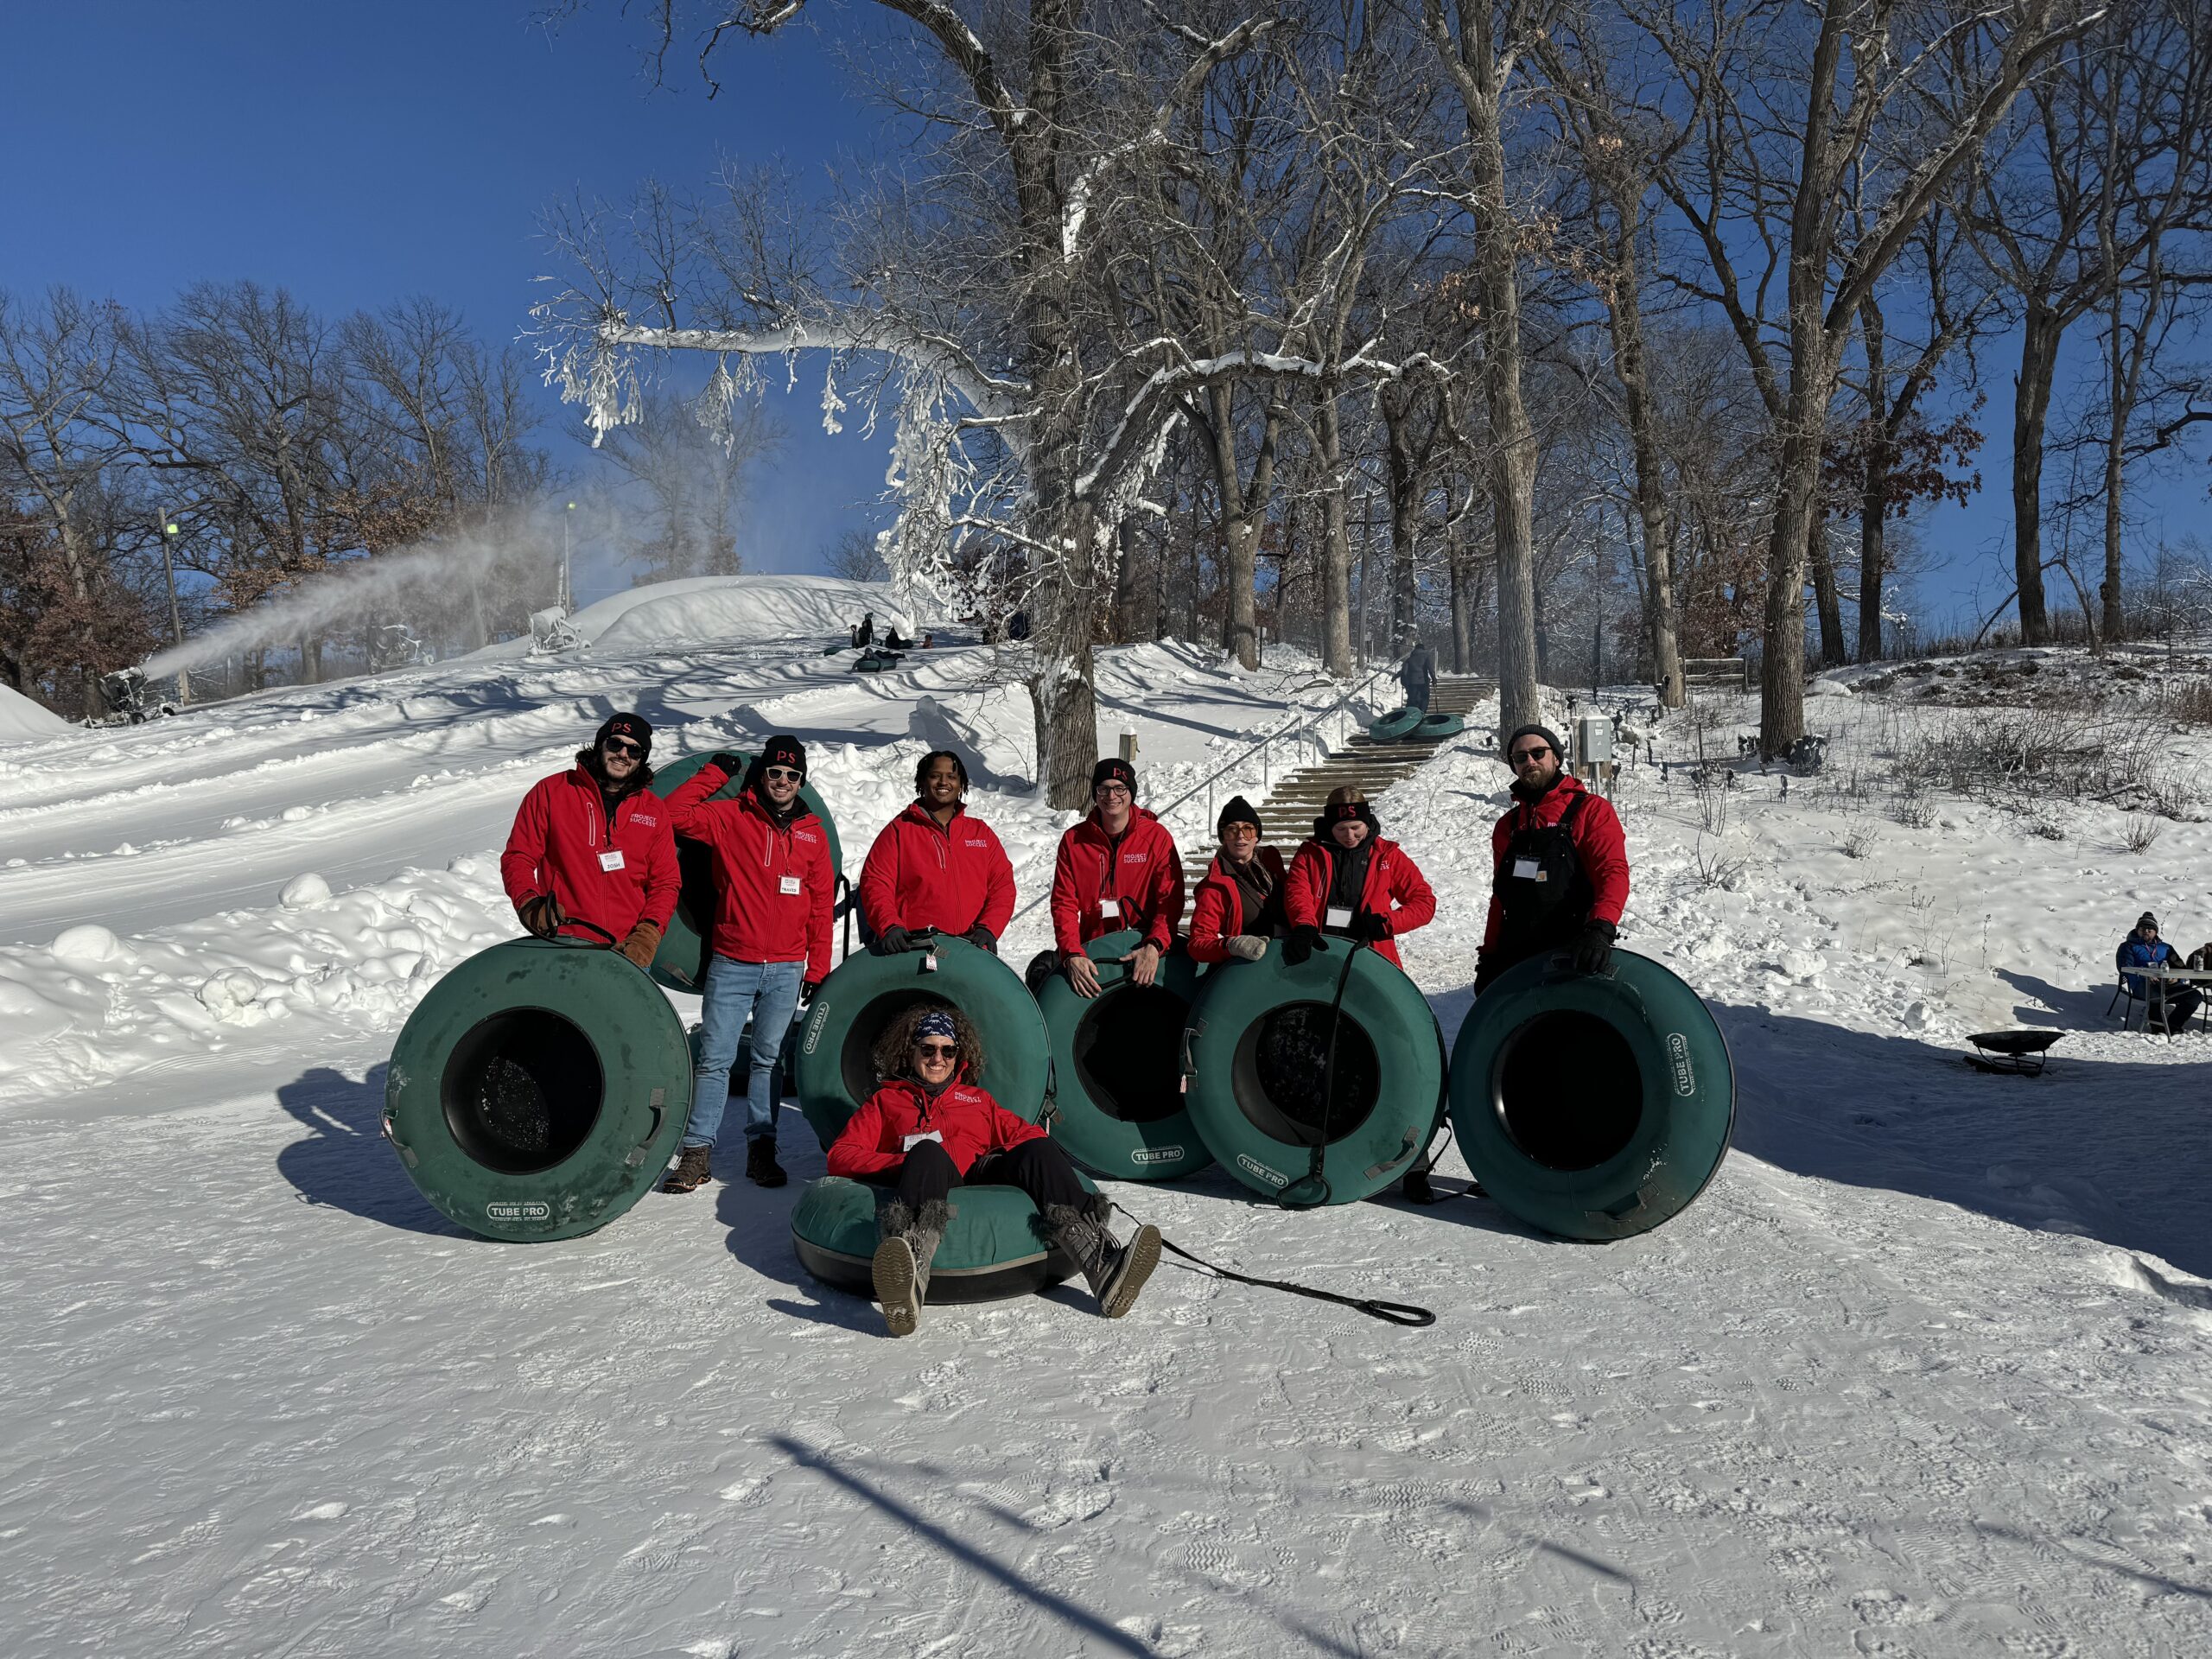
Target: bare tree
692,476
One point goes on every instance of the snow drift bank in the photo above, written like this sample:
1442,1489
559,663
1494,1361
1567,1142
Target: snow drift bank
738,610
21,719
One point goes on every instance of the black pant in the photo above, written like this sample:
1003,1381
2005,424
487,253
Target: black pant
1040,1168
1417,695
2180,1002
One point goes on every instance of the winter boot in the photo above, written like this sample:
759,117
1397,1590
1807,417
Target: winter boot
691,1172
901,1265
760,1165
1116,1272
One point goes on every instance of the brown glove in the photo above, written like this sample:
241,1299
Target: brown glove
541,915
643,941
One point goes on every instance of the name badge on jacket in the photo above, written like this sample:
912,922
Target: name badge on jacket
788,885
610,861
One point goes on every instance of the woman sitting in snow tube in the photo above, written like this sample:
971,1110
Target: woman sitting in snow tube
931,1128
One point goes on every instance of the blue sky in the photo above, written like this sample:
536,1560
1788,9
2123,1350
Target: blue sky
359,155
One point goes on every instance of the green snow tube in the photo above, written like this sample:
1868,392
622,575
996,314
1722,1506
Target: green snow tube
1593,1106
833,1068
1117,1085
681,962
1399,722
538,1090
1253,1056
876,662
1440,726
992,1249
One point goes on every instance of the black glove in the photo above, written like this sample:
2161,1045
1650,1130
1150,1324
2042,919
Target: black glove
1484,971
731,765
982,938
806,991
892,941
1370,926
1302,943
1594,947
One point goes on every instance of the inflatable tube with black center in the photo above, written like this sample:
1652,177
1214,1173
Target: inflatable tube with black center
1253,1055
992,1249
538,1090
1117,1078
831,1052
1440,726
681,962
1593,1106
1399,722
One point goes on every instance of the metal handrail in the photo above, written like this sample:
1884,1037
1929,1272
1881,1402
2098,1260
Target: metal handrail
1300,723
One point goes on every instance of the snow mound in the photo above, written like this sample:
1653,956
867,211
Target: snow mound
740,610
87,941
22,720
303,891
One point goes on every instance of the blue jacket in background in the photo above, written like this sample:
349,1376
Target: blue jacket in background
2135,953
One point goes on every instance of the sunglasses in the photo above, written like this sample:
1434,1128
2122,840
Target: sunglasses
1536,754
777,774
621,746
936,1051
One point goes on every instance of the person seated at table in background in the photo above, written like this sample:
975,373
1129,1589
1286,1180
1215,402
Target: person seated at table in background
930,1128
2170,1005
2201,958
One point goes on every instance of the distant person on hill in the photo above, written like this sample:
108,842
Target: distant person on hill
929,641
937,867
592,854
864,630
1560,862
1350,882
1418,675
2169,1005
930,1128
1118,868
773,887
892,642
1238,905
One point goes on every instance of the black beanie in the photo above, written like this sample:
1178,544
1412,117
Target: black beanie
1111,767
1341,812
784,750
2146,919
634,727
1544,732
1239,811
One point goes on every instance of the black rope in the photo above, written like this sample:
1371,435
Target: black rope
578,921
1319,1156
1374,1307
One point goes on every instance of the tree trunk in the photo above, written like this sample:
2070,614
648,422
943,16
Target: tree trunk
1128,590
1873,519
1403,474
1624,311
1242,512
1825,598
2039,339
1336,549
1463,607
1781,673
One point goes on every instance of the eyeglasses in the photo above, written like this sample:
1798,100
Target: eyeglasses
1105,790
777,774
936,1051
1536,754
621,746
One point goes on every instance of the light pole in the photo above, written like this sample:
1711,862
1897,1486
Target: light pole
568,591
170,529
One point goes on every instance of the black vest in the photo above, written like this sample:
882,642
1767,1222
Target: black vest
1544,891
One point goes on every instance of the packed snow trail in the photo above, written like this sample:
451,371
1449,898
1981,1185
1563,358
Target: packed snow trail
1923,1372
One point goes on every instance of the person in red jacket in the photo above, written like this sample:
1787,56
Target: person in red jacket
931,1127
1560,864
936,867
1117,868
1238,905
1350,881
593,849
773,888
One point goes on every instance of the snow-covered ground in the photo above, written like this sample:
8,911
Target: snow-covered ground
1924,1372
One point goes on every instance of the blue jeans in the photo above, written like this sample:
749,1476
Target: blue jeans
768,992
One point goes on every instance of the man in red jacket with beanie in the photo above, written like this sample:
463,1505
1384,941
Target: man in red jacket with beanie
1560,864
1117,868
773,891
937,867
1239,905
591,847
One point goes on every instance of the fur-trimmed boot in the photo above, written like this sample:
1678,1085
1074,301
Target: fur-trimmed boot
1116,1272
901,1266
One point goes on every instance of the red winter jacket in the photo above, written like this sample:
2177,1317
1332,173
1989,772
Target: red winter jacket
1599,842
1392,879
917,875
1143,872
873,1140
756,918
1218,907
562,839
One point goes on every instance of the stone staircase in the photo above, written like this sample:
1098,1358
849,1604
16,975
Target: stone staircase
1287,815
